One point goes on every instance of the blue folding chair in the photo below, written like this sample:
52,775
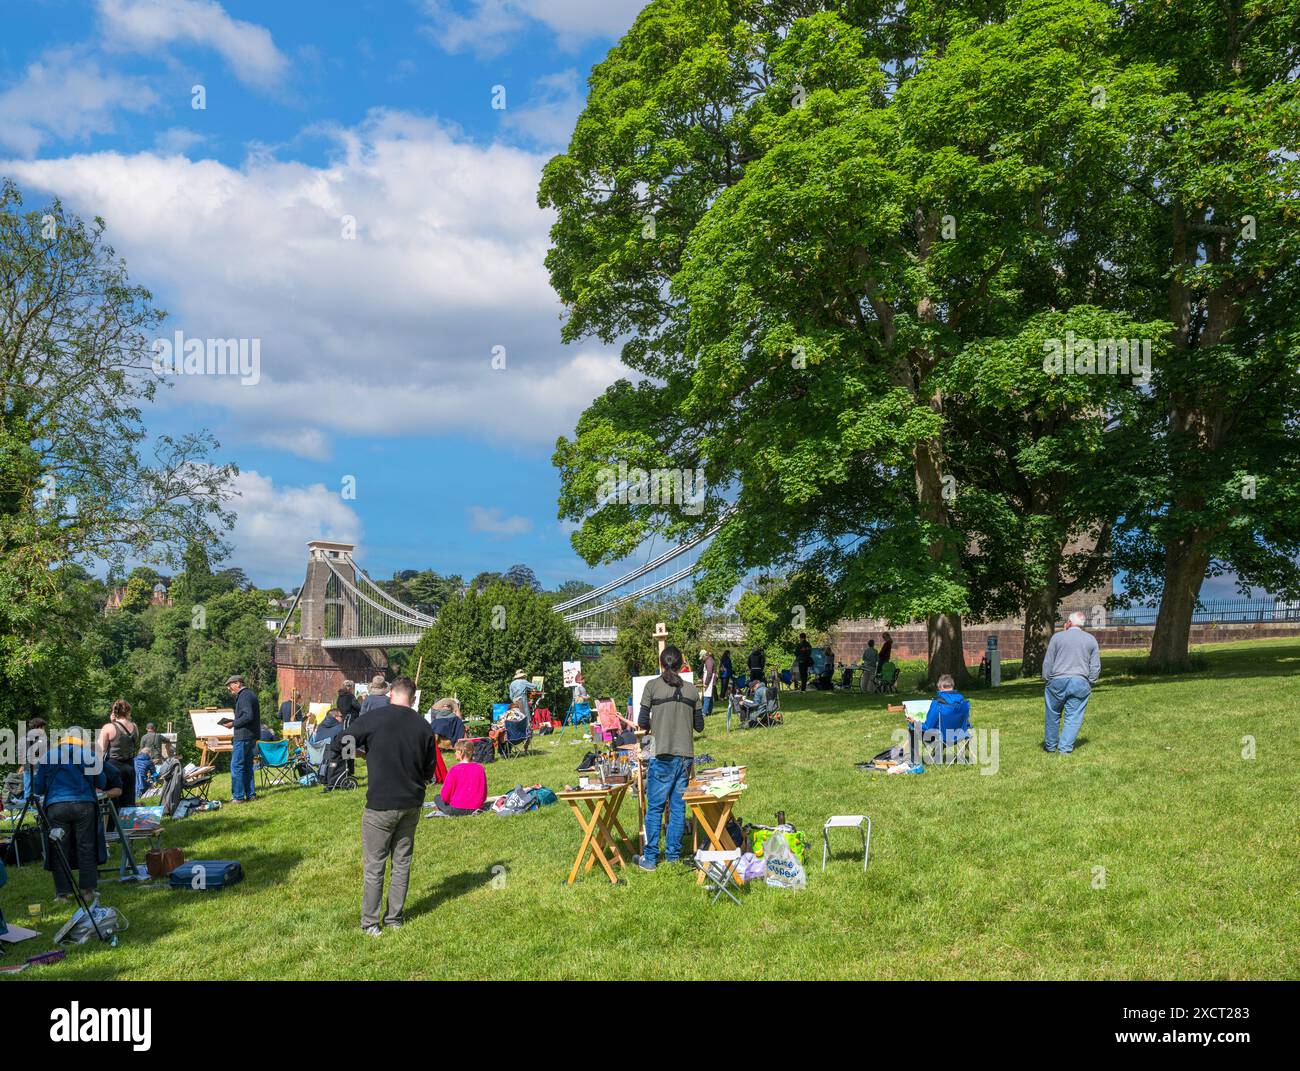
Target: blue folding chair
277,766
518,738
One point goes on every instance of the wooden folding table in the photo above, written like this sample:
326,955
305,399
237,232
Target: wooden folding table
601,830
711,814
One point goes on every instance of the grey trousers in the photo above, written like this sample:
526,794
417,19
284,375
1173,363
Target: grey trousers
385,834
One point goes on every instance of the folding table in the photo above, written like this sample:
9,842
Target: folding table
598,828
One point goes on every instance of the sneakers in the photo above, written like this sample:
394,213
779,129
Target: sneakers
393,925
372,931
644,863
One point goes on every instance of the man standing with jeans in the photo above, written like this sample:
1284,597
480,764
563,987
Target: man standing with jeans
670,709
247,725
401,755
1070,667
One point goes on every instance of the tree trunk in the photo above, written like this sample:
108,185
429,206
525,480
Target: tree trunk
943,631
946,654
1040,623
1185,563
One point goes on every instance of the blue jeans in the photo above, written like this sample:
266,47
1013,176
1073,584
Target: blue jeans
1068,695
665,785
241,769
708,705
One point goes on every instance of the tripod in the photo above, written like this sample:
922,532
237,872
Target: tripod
55,839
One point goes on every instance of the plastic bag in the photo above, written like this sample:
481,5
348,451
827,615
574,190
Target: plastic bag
80,929
784,868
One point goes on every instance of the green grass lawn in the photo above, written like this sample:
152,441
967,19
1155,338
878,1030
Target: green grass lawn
972,875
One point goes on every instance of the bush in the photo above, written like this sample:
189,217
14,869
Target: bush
476,644
607,676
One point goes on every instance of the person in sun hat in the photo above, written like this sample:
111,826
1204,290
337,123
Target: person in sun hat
522,688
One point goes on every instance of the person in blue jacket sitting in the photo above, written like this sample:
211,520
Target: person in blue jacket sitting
948,718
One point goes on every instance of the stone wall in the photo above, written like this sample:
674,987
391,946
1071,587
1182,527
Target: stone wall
850,637
317,673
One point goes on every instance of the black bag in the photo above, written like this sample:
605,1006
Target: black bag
204,874
587,763
23,847
482,752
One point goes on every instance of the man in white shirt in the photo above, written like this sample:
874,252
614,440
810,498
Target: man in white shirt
707,673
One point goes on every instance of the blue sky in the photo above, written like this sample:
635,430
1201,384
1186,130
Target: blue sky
349,197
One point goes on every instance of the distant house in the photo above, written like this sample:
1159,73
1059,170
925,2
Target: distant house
160,596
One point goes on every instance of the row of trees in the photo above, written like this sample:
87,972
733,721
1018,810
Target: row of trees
427,590
863,259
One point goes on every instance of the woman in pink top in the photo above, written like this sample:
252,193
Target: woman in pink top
465,789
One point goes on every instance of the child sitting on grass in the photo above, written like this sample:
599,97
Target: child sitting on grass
465,789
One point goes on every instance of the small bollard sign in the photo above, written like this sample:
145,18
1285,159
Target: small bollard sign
995,661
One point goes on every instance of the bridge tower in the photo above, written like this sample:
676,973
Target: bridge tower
324,600
303,663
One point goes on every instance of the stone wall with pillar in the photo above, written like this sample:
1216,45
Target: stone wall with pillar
848,638
317,673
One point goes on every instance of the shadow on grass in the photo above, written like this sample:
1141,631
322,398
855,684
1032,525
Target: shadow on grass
155,910
453,886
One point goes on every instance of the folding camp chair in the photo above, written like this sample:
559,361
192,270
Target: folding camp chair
719,872
518,738
194,786
277,766
888,679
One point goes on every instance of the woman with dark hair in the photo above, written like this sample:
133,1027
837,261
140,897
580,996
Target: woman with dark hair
670,710
119,740
725,675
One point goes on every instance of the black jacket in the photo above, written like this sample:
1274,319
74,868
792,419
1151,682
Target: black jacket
248,716
348,706
401,755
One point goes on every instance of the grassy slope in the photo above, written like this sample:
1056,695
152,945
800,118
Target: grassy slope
972,875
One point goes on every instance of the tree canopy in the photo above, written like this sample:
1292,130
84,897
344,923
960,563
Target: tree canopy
837,244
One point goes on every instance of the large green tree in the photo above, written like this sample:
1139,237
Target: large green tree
80,481
805,216
1216,253
479,641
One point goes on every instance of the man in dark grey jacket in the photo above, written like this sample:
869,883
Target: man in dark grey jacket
1070,667
670,709
247,726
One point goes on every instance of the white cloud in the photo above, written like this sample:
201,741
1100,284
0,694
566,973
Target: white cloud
148,25
65,95
491,521
488,27
548,119
275,523
177,141
388,334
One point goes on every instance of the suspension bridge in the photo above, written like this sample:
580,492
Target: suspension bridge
342,608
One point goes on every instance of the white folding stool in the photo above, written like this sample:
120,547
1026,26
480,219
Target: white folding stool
719,868
847,821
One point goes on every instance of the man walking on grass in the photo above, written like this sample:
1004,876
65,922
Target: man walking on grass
1070,667
401,755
